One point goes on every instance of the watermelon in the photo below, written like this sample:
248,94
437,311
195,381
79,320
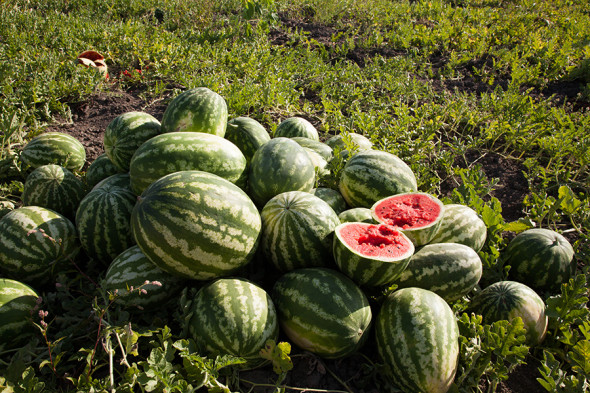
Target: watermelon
540,258
17,302
508,300
118,179
371,255
331,197
417,214
103,222
101,168
233,316
184,151
372,175
196,225
322,311
450,270
247,134
319,163
54,187
6,207
54,148
199,109
297,230
278,166
138,282
125,133
296,127
357,214
418,339
461,224
345,141
319,147
35,242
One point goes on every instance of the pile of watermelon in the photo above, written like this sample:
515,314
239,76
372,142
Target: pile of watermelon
197,198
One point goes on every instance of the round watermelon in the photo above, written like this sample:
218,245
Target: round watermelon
541,258
247,134
199,110
125,133
17,302
101,168
233,316
296,127
196,225
331,197
185,151
322,311
461,224
54,187
35,242
320,148
297,230
54,148
278,166
372,175
122,180
508,300
371,255
342,142
418,339
357,214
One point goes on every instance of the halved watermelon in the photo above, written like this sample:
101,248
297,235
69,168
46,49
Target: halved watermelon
417,214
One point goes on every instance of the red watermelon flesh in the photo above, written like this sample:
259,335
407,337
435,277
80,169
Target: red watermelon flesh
405,211
381,241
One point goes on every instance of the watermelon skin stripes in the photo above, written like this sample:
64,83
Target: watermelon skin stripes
461,224
17,302
54,148
196,224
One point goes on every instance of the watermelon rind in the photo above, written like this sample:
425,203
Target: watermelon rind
420,235
418,340
196,225
54,187
297,229
540,258
278,166
450,270
233,316
296,127
322,311
508,300
199,109
366,270
35,244
125,133
17,302
183,151
461,224
247,134
54,148
372,175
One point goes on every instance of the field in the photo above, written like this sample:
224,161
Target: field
488,102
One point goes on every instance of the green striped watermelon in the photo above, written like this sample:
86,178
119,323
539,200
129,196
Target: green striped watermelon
418,339
461,224
279,165
185,151
371,255
297,230
17,302
372,175
120,179
343,141
319,147
34,243
101,168
417,214
508,300
320,165
196,224
296,127
199,109
450,270
357,214
54,148
103,222
540,258
125,133
138,282
54,187
247,134
322,311
233,316
331,197
6,207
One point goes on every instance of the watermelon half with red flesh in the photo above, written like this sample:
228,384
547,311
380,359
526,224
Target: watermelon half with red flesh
371,255
417,214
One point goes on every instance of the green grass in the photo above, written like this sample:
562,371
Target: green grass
430,81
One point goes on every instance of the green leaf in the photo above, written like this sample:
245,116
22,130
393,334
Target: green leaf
568,201
278,354
579,356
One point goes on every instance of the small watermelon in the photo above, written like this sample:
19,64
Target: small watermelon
54,148
331,197
101,168
319,147
247,134
296,127
461,224
357,214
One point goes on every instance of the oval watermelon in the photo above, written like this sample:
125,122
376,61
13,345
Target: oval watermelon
461,224
54,148
296,127
247,134
357,214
